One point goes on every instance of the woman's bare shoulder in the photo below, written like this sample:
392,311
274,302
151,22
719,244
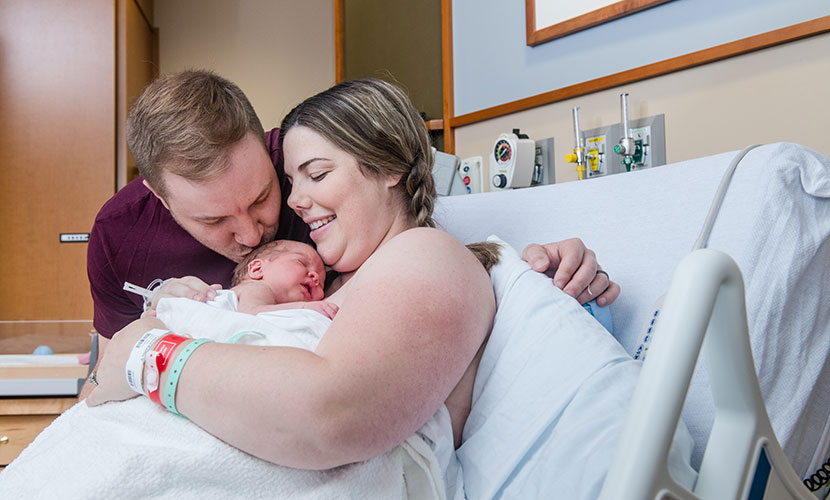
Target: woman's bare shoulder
427,253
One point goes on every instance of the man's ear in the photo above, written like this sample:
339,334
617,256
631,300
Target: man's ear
255,269
146,184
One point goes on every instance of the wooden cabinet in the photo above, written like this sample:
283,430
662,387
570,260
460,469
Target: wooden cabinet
68,72
22,419
63,102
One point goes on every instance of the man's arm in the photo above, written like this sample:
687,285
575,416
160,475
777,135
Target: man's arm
574,269
113,308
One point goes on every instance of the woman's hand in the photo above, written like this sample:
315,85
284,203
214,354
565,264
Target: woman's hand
111,373
189,287
574,269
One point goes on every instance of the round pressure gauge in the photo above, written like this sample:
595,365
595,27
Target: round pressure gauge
503,151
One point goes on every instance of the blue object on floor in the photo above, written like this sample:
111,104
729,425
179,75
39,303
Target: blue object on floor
43,349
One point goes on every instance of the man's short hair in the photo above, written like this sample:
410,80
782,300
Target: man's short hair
185,122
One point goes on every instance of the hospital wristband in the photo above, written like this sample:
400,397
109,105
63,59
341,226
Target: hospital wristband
176,371
135,363
158,359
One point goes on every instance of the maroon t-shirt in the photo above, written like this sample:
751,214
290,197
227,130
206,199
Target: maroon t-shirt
135,239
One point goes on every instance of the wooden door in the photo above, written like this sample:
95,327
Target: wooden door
57,163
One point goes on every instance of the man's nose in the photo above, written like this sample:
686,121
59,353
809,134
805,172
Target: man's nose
248,232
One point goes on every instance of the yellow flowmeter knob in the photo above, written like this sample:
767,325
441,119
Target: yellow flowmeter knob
571,158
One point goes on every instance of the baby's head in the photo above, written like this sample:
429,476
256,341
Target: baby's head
292,270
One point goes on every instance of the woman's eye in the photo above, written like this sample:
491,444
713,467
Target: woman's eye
318,177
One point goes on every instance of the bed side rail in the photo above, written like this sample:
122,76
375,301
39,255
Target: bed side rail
705,308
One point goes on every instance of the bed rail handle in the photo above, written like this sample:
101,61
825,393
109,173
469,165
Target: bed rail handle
705,308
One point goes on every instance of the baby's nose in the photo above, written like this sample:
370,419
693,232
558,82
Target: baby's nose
315,280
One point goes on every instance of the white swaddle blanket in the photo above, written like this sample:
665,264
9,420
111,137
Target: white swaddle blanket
136,449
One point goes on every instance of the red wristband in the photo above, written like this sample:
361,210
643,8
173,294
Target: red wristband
157,361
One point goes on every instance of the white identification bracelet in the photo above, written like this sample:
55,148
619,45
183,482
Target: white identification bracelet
135,363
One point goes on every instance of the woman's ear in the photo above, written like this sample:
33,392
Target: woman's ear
393,180
255,269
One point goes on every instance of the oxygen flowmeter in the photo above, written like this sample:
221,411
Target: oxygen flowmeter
632,150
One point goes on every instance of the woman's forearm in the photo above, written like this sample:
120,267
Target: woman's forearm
275,403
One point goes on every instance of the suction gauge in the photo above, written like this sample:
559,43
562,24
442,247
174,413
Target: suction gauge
503,151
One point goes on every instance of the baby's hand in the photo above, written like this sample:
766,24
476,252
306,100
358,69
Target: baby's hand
327,309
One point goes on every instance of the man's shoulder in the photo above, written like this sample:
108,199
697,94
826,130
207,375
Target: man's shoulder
128,203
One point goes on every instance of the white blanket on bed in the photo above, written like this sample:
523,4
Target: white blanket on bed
550,397
136,449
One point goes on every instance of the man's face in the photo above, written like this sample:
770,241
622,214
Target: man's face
234,211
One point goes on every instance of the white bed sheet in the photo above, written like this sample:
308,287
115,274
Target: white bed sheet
775,223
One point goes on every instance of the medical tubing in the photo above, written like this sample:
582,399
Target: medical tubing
175,371
703,239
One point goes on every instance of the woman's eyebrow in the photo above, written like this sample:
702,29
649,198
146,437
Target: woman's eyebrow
306,163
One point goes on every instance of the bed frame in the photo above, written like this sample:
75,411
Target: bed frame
743,460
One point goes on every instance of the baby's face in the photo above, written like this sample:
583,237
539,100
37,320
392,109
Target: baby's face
295,274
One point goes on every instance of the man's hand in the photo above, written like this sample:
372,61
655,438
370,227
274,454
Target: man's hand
574,269
189,287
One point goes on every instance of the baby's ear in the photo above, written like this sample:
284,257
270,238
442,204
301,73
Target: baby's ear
255,269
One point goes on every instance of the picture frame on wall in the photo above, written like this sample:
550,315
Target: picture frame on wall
551,19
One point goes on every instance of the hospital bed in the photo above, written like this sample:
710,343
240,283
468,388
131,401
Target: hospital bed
561,408
756,301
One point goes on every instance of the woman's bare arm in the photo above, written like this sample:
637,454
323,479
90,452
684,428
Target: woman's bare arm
413,319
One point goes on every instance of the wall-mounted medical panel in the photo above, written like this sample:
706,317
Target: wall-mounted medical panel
648,136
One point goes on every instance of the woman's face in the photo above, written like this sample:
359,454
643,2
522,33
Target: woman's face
350,215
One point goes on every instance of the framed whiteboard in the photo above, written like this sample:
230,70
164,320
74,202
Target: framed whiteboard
551,19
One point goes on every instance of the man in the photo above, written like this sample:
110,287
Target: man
213,189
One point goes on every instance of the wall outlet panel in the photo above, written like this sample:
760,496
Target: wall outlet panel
650,131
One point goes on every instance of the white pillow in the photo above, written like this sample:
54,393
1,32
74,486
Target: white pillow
550,397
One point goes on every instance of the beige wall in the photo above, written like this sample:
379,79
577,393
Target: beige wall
278,51
777,94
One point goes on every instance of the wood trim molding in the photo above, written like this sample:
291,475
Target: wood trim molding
339,49
447,66
792,33
435,124
585,21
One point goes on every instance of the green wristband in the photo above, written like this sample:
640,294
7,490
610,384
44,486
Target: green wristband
176,371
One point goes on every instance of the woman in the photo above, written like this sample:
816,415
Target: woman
415,305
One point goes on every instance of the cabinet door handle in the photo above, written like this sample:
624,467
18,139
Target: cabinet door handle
4,439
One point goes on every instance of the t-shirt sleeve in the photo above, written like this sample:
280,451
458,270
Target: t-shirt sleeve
112,308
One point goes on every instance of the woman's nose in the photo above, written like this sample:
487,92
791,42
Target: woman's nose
297,200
